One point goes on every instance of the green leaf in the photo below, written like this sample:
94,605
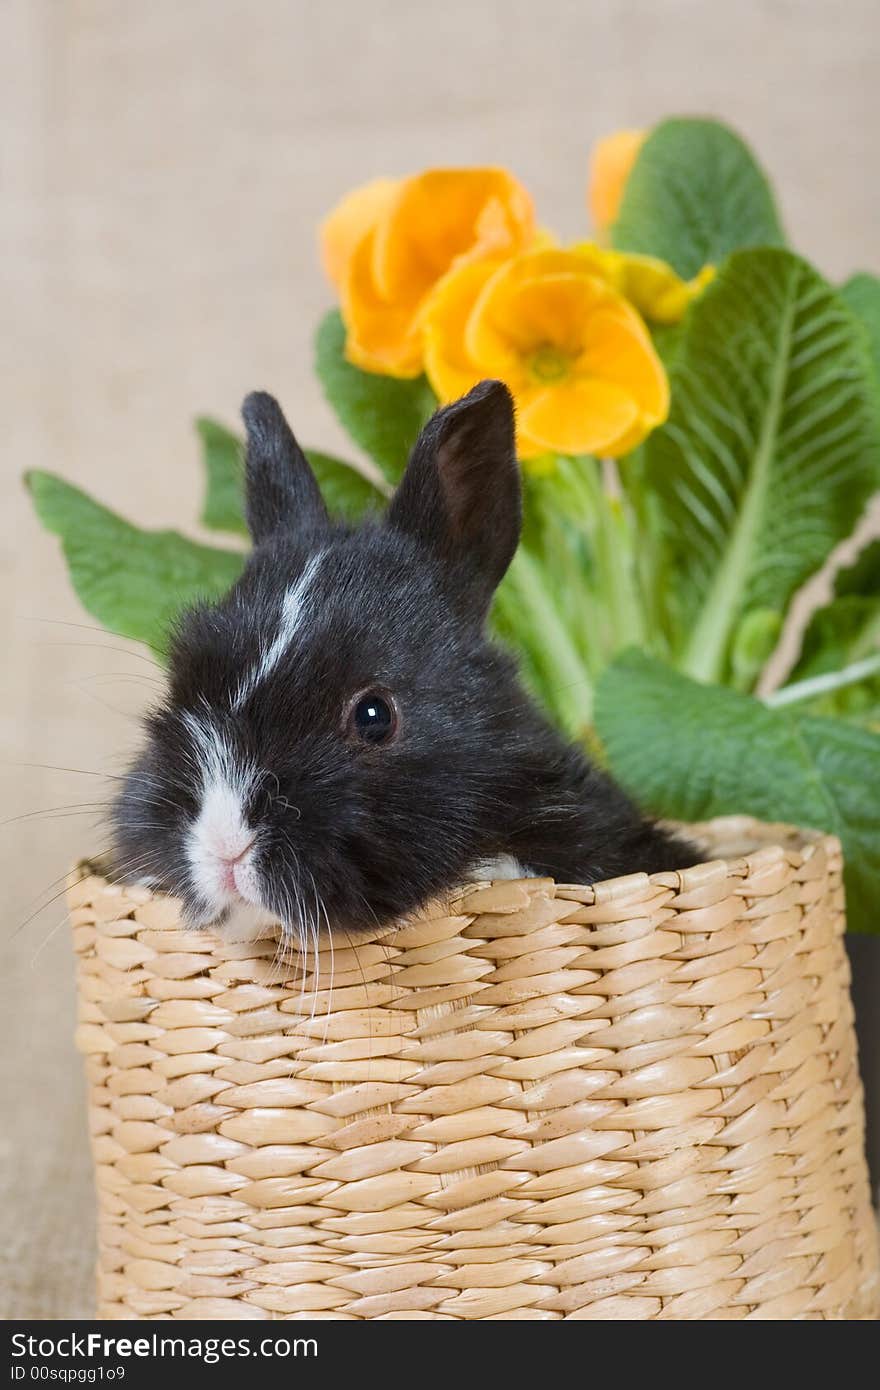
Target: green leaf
862,294
382,414
667,339
848,628
770,452
222,509
837,672
863,575
834,636
691,751
754,642
844,632
695,194
347,493
134,582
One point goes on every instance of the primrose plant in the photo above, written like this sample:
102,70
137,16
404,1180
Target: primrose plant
698,424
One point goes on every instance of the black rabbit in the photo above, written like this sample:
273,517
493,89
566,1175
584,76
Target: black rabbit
340,740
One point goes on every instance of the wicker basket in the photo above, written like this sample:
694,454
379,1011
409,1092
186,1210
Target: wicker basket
634,1100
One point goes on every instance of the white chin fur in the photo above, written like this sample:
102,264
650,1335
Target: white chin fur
503,866
244,923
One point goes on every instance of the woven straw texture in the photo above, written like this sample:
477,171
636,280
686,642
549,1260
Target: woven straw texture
633,1100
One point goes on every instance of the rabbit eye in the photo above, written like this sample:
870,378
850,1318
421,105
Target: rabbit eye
372,717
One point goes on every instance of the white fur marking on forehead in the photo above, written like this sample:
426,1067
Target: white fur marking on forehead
216,763
292,619
216,758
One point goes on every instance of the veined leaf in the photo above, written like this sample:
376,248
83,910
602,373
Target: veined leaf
692,751
862,293
346,491
382,414
771,450
134,582
695,194
667,340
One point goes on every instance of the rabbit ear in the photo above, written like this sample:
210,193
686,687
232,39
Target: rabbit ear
282,493
460,494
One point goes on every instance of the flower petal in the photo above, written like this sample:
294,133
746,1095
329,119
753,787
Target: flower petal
540,298
382,337
578,417
451,371
443,214
620,352
631,438
349,222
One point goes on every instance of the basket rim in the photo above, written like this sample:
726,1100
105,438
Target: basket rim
776,840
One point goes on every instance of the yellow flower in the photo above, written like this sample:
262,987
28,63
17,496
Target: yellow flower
650,284
387,246
576,356
611,162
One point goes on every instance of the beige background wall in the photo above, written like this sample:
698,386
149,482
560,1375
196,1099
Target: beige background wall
163,169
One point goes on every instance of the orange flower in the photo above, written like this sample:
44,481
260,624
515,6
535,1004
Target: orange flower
388,245
576,356
349,221
610,164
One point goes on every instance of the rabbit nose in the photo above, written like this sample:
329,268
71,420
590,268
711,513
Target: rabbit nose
229,863
231,854
230,859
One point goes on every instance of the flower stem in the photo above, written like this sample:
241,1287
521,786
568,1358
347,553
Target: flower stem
625,605
822,685
536,620
612,532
